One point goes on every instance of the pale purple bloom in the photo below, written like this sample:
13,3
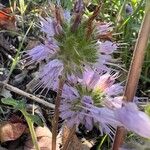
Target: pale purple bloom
67,16
50,26
80,105
103,29
104,83
134,120
105,118
114,103
73,113
41,52
89,77
72,79
70,93
49,74
102,61
47,26
128,9
115,89
106,47
52,44
51,47
37,54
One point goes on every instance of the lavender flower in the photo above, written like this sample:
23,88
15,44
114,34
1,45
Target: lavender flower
103,29
37,54
114,103
105,119
65,50
92,97
77,104
73,113
128,9
50,26
134,120
67,16
101,83
50,74
42,51
107,47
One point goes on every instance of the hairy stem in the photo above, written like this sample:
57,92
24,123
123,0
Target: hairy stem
135,69
56,113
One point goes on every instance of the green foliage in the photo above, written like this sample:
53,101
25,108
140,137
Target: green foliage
147,109
31,119
20,105
22,7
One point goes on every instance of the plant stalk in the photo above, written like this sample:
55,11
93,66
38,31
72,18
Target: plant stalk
32,132
56,113
16,59
135,70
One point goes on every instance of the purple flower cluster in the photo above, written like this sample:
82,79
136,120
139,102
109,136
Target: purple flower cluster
84,102
91,96
57,53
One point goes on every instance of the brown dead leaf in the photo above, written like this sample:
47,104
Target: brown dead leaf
11,131
44,137
7,19
74,142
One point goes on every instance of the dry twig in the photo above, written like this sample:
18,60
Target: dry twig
30,96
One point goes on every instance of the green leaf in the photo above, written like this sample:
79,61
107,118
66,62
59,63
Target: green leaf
147,109
17,104
36,119
23,7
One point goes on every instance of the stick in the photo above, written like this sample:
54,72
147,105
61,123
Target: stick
56,114
30,96
135,70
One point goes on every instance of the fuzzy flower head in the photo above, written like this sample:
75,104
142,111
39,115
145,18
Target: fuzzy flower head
92,89
67,41
71,110
128,9
103,28
101,86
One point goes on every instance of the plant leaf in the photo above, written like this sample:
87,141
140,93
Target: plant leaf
36,119
15,103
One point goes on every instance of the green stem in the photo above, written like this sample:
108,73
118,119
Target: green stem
15,61
102,141
32,131
119,27
120,12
